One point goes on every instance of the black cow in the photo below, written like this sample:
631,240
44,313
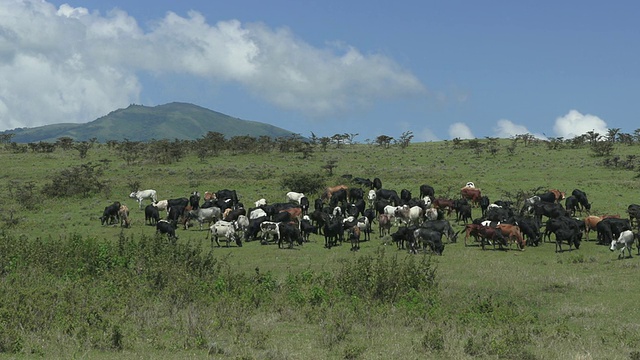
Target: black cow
194,200
339,196
356,208
333,232
550,210
377,184
234,214
362,181
404,235
304,204
530,229
548,197
151,214
306,229
110,214
581,197
390,195
571,204
427,190
405,196
318,204
484,204
356,194
634,214
610,228
254,228
177,202
226,194
290,233
166,227
430,239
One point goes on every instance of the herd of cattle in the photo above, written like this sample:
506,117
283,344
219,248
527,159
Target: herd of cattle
347,213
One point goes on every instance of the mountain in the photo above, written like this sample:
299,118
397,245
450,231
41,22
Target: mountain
142,123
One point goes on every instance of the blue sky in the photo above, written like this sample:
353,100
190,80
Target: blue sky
440,69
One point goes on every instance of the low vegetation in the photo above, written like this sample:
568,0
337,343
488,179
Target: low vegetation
71,287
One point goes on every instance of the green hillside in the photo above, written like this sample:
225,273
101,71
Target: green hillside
142,123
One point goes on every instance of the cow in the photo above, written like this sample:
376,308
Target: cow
338,197
624,242
290,233
354,237
559,195
356,194
377,183
384,224
566,229
207,215
529,204
581,197
304,205
356,208
548,197
430,239
371,197
409,215
390,195
226,194
260,202
254,228
306,229
427,190
151,214
293,196
333,232
590,223
611,228
194,200
550,210
162,205
226,230
443,227
234,214
571,205
110,214
362,223
123,214
363,182
243,224
183,202
471,194
404,235
442,204
140,195
329,191
166,227
405,197
512,232
256,213
634,214
431,214
270,228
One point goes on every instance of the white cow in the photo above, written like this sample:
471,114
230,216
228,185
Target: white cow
261,202
624,242
226,230
144,194
270,228
257,213
371,197
410,215
162,205
294,196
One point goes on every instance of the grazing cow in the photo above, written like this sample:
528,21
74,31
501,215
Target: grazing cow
442,204
624,242
226,230
464,213
611,228
491,235
529,228
427,190
404,235
151,214
306,229
384,224
471,194
254,228
140,195
443,227
565,229
194,200
293,196
243,224
207,215
234,214
110,213
581,197
363,182
290,233
429,238
123,214
512,232
166,227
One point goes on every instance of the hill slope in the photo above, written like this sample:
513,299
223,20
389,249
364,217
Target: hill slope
142,123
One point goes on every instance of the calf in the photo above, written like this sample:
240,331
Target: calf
270,228
151,214
123,214
624,242
306,229
354,237
384,224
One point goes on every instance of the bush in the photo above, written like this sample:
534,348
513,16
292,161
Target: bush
304,183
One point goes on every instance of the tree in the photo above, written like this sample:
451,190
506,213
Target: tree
592,136
83,148
330,165
384,141
130,151
405,139
64,142
612,134
324,142
602,148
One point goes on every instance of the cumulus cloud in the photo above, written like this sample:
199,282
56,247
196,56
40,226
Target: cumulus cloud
506,129
575,124
426,135
70,64
460,130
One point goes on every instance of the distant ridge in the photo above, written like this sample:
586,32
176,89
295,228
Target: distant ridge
175,120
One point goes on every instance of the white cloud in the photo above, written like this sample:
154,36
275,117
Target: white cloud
426,135
575,124
506,129
73,65
460,130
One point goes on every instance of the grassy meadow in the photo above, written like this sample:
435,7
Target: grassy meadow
72,288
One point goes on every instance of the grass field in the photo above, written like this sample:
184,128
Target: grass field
73,288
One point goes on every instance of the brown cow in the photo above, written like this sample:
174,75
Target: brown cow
471,194
560,195
328,192
384,222
591,221
442,204
295,213
511,232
